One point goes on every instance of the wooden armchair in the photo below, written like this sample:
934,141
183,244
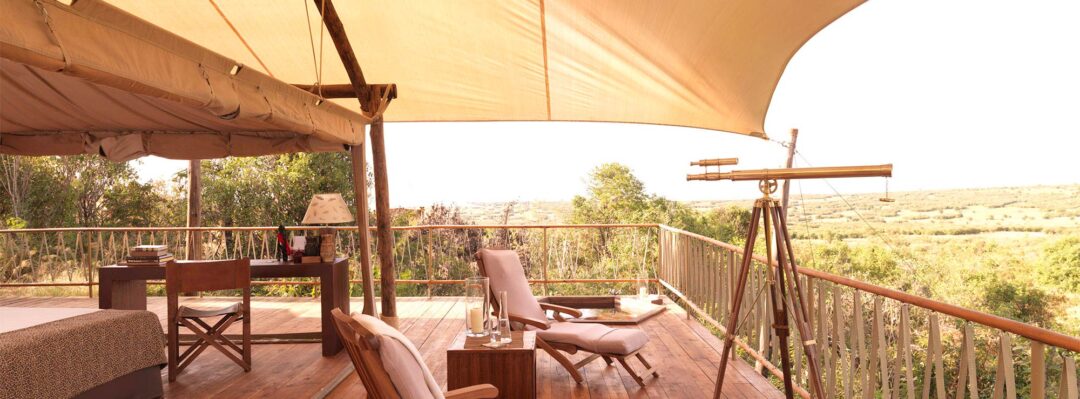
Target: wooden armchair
389,364
208,276
503,268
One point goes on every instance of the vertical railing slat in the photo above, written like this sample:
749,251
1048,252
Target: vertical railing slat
1038,370
966,381
1004,378
905,351
860,345
1067,388
880,347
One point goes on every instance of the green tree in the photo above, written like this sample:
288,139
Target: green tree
141,204
728,224
270,190
1060,264
614,195
1011,299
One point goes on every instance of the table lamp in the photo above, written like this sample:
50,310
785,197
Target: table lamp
327,209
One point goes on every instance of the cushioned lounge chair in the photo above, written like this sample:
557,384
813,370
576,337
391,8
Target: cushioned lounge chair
503,268
389,364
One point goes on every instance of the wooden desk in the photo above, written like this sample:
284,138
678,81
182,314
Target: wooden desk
124,287
511,368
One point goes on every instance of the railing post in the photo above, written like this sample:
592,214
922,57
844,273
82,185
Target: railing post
89,265
544,266
659,258
430,260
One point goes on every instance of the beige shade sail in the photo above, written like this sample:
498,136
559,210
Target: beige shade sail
91,78
711,64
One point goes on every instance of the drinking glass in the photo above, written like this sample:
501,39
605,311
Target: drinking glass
476,306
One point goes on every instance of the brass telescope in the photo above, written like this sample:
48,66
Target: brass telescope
798,173
716,162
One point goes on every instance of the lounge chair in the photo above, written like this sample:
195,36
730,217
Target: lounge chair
389,364
503,268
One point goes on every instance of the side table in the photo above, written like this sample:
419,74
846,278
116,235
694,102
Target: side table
511,368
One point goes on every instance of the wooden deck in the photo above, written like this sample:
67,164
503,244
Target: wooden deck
685,353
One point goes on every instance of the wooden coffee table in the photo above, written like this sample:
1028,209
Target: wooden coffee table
511,368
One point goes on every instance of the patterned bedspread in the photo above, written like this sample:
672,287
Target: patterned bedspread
63,358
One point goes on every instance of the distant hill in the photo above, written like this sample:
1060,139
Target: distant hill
533,212
1003,210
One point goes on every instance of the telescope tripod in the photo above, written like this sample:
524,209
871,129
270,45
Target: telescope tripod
784,291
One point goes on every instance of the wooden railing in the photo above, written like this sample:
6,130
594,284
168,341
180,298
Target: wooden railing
873,341
431,260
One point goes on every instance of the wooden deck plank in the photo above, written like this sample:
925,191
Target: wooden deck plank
679,377
760,384
685,353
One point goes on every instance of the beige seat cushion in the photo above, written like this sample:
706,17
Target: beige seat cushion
596,338
187,312
504,271
411,377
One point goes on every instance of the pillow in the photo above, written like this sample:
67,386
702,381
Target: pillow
402,361
407,374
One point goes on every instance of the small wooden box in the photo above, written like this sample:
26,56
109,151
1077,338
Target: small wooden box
511,368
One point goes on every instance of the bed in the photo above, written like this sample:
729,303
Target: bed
81,353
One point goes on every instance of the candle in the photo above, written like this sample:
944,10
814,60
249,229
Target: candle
476,320
643,292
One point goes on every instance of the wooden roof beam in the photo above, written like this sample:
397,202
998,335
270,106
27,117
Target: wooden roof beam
346,90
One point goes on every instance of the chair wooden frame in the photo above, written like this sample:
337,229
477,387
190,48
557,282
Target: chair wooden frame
208,276
373,375
553,348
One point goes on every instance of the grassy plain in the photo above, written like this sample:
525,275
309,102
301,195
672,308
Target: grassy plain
979,248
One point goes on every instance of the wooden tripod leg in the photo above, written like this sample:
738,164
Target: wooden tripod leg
786,261
778,294
736,305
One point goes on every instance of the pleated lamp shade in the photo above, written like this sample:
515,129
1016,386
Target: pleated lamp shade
328,209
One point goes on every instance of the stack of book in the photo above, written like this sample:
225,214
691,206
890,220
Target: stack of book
148,255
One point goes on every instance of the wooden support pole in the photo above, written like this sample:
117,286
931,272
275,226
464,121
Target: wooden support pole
336,30
382,220
789,164
359,176
194,211
372,100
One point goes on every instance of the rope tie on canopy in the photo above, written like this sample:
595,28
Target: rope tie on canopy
52,34
317,62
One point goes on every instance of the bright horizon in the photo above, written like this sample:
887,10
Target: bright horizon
970,94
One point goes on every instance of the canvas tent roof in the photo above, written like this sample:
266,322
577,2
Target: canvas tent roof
707,64
94,79
711,64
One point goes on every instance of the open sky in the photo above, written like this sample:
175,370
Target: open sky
954,93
